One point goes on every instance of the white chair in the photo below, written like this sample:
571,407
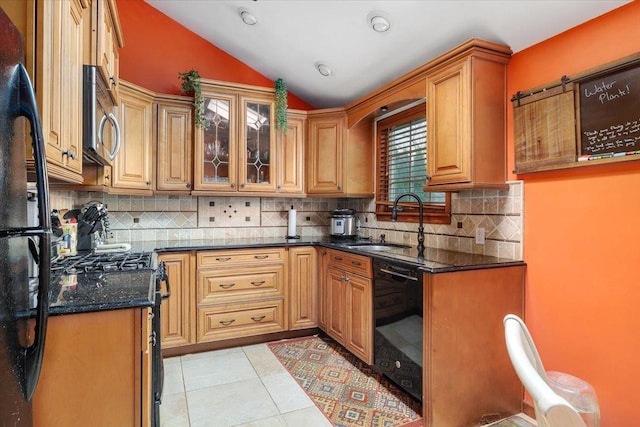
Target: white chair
552,410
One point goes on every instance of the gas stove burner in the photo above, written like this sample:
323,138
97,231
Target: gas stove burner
95,263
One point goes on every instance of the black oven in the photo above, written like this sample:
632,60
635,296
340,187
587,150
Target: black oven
397,310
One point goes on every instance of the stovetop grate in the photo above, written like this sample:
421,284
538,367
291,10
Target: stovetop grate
91,262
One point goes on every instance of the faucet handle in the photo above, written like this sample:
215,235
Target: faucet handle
382,237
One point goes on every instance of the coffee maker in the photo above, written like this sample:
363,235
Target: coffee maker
93,225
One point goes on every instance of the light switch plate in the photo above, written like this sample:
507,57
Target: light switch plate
480,236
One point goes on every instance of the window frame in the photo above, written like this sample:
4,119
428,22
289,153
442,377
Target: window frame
433,213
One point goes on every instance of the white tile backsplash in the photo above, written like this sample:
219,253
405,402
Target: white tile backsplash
189,217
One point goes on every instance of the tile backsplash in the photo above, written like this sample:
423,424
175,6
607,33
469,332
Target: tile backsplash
164,217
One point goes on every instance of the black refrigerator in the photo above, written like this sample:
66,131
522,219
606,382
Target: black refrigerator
24,247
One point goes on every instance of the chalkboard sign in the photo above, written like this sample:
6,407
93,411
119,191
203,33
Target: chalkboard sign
610,113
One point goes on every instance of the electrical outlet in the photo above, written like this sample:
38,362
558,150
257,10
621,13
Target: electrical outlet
480,236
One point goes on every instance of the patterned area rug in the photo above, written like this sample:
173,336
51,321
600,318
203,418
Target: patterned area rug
343,388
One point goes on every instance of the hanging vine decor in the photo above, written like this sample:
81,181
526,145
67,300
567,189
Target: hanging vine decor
281,105
191,86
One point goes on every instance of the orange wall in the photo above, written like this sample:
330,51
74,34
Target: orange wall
581,235
156,48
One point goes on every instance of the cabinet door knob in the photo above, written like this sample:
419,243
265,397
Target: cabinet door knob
148,182
188,185
428,177
242,185
233,185
340,187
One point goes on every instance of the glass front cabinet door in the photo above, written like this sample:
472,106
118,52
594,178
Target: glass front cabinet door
257,145
216,144
235,149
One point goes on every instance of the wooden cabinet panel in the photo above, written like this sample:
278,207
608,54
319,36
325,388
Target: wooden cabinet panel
107,40
460,383
243,257
174,145
352,263
448,94
339,160
544,128
58,83
359,339
337,305
178,313
325,154
132,167
218,322
347,293
303,288
216,285
93,370
290,156
466,117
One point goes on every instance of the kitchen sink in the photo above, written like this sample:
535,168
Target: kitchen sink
370,246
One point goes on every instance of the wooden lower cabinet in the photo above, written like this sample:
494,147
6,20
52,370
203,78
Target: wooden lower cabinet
347,292
240,293
303,288
467,372
96,370
178,312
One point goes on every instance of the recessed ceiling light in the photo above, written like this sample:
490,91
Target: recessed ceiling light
247,16
379,24
324,70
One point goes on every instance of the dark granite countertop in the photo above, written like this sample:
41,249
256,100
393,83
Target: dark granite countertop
85,292
434,260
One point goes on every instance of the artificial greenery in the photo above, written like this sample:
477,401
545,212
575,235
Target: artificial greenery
281,105
191,86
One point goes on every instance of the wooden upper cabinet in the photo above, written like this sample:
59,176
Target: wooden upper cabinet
132,167
58,82
544,127
257,144
174,155
105,43
290,155
325,152
339,160
466,118
236,151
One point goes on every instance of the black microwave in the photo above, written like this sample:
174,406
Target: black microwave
100,129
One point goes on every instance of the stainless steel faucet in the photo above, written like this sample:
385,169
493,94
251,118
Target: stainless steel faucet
394,217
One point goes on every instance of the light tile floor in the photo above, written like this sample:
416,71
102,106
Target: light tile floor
243,386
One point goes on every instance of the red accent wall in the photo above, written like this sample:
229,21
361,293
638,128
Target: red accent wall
156,48
582,235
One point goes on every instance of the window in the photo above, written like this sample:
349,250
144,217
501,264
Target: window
402,167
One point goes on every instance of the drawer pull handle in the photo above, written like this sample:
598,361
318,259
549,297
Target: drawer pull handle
261,256
338,258
356,263
227,285
227,322
258,283
257,319
223,259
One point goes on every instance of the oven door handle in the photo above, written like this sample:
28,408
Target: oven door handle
395,273
164,277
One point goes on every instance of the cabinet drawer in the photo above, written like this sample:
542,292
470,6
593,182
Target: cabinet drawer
240,320
245,257
356,264
216,285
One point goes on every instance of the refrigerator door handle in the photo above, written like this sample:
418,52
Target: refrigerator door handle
34,353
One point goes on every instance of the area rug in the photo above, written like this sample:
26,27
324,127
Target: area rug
346,390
